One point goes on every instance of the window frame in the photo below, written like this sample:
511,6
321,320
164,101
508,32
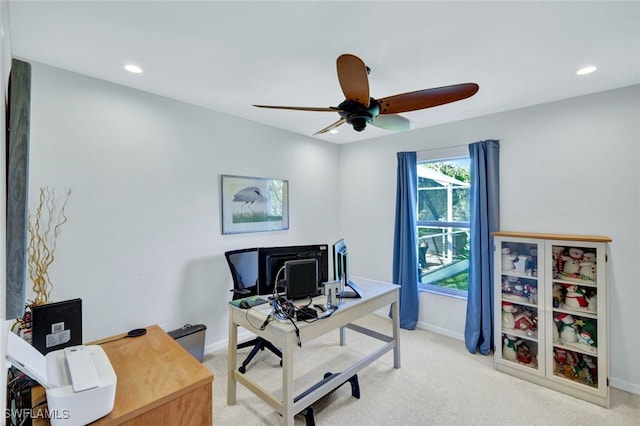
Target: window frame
433,155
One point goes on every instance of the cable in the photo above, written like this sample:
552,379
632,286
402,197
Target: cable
297,332
283,309
276,283
264,324
286,311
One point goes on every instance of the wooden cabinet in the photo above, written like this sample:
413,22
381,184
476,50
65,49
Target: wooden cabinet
550,320
159,383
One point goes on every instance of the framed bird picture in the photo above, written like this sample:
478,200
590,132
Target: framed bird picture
253,204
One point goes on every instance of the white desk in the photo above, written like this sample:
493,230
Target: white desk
376,295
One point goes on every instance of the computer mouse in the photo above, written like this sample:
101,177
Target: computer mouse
137,332
244,304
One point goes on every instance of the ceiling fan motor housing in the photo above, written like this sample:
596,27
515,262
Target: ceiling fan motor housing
357,114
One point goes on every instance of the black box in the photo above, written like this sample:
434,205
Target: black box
305,314
56,325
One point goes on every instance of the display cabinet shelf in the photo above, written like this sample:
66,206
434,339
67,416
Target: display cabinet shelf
584,313
518,300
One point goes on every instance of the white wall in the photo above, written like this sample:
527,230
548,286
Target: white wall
143,243
567,167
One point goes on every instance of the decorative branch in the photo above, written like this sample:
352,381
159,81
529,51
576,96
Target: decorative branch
44,228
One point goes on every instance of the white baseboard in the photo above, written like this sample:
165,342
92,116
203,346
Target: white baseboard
440,330
425,326
222,344
625,386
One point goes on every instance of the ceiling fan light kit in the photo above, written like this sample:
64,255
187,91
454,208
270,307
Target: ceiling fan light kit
359,109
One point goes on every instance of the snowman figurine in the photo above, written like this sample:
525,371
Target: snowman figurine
568,332
509,348
508,259
571,267
575,297
508,321
572,262
585,338
576,253
588,271
588,334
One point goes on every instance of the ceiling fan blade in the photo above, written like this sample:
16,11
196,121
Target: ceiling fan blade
352,75
426,98
322,109
331,126
391,122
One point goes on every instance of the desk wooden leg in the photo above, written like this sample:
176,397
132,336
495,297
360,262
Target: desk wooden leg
395,313
288,393
232,360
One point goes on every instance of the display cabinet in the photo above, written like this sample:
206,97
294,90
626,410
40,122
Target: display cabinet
551,311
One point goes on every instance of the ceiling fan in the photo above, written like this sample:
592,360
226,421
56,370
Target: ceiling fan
359,109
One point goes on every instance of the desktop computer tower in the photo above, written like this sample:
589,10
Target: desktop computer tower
302,278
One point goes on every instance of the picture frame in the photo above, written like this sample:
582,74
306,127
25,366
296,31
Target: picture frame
253,204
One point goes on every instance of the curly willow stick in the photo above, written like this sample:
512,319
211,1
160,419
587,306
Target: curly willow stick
43,235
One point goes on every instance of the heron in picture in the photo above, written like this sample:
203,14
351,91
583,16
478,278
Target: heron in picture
248,196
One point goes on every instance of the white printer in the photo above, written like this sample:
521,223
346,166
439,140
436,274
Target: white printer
79,381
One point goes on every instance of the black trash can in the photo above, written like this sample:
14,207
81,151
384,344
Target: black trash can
191,337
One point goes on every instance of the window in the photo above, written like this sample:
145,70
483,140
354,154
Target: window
443,220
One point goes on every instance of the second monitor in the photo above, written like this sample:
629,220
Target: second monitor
271,264
341,270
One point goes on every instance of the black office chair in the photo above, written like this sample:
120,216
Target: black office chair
244,271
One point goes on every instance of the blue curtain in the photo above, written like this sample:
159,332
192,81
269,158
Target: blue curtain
485,219
405,243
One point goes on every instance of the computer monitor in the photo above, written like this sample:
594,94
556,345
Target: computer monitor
271,265
341,270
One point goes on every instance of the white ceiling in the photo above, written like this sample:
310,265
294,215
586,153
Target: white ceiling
226,56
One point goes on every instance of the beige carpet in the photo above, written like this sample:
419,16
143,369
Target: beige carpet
440,383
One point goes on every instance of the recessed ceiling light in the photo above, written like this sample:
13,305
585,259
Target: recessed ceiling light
133,68
586,70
